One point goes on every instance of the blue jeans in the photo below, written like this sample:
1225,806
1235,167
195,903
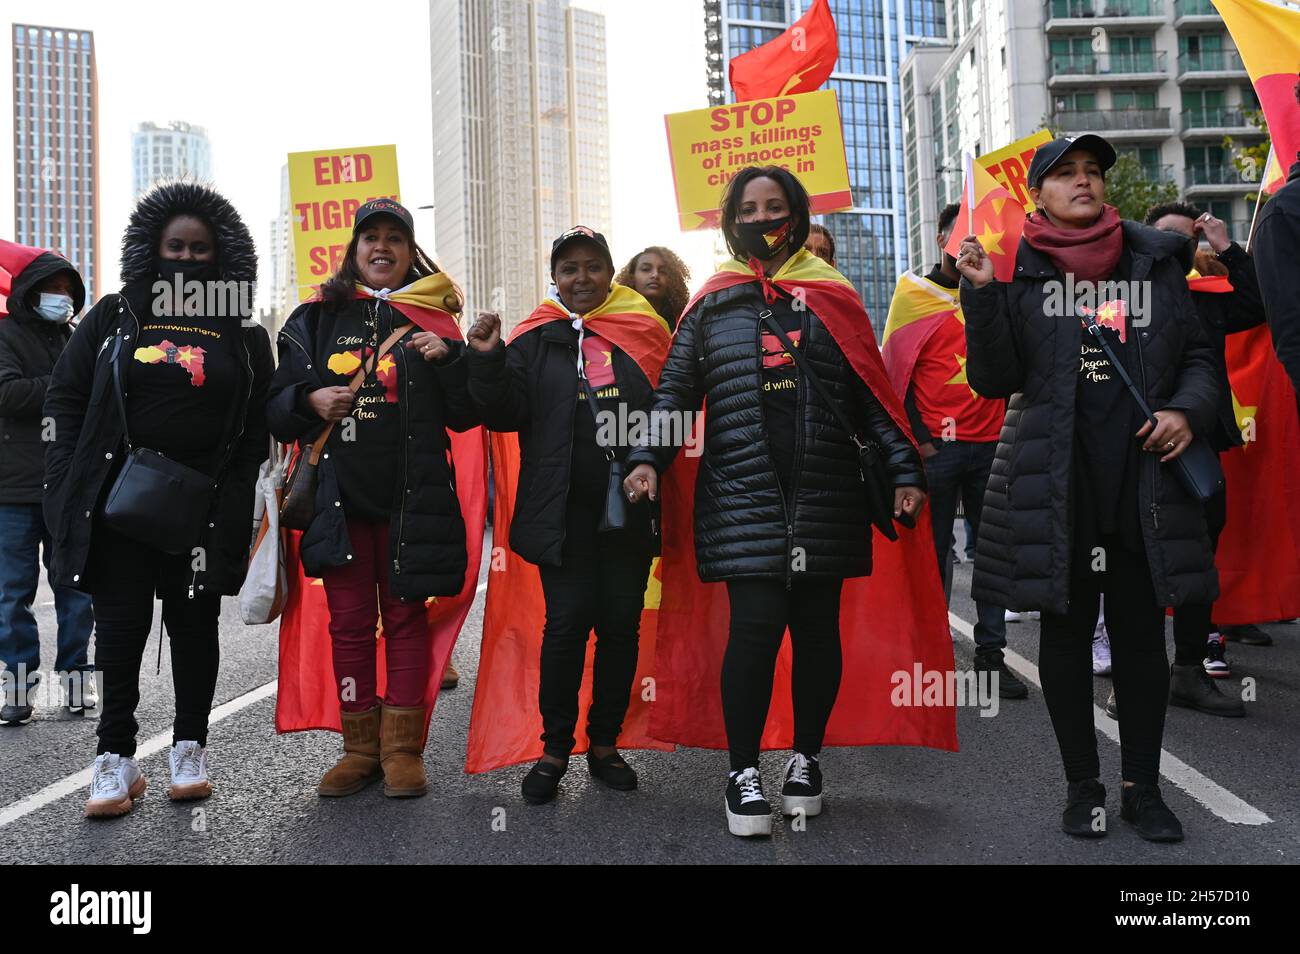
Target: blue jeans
22,537
960,471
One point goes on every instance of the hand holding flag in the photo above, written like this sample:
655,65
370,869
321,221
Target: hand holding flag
994,220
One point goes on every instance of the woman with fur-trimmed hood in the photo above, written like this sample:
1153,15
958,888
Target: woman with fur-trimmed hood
191,369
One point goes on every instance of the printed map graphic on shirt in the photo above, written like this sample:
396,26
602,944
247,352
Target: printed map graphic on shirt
774,353
189,357
1111,314
598,362
346,363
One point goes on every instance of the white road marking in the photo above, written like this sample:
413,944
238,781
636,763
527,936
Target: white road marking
79,781
1203,789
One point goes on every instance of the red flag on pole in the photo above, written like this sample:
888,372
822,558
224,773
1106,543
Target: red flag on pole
800,60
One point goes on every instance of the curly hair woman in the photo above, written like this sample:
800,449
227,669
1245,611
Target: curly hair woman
660,276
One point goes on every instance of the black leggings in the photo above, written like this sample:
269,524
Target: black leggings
1136,624
1193,621
761,609
124,577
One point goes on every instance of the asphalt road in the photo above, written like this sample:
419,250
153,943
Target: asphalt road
998,800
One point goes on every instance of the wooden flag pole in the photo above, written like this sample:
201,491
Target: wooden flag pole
1259,196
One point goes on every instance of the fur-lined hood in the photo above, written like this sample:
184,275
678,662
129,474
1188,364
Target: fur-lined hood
236,254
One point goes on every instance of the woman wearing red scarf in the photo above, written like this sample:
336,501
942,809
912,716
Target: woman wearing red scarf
1084,499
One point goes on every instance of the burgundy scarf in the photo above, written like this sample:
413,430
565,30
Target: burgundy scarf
1091,253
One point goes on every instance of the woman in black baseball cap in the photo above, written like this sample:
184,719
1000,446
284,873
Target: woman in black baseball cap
1084,500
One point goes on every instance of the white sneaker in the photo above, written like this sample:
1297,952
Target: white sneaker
189,763
1101,654
115,784
79,691
1011,616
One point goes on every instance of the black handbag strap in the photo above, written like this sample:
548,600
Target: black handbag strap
1090,325
610,456
805,367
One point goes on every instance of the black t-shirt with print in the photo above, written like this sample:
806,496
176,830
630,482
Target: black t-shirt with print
181,384
367,449
589,474
781,387
1106,458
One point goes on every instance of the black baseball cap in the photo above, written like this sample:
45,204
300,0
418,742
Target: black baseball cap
580,233
384,207
1050,154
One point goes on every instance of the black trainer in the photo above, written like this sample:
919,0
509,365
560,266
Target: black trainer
802,791
1192,688
1141,806
748,812
1009,687
1081,817
613,771
16,707
542,782
1248,635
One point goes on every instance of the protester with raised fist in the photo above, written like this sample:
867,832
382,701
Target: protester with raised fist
42,298
379,354
780,514
158,408
1085,497
586,358
660,276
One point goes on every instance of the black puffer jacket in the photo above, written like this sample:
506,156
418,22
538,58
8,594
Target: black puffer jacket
29,347
88,429
744,526
426,529
1277,253
1014,350
532,387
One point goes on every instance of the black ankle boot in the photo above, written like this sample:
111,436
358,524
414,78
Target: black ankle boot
1080,817
1191,688
1141,806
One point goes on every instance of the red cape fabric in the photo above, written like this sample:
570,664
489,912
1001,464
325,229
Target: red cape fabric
13,259
308,692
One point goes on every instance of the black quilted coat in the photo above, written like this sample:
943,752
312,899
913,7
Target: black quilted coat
1016,351
744,526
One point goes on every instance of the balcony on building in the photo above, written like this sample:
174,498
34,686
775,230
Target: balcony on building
1217,178
1114,123
1215,122
1067,15
1077,69
1195,13
1211,66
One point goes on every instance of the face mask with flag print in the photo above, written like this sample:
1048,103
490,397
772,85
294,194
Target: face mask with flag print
764,239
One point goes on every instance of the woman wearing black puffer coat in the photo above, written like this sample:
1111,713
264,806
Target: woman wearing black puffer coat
1082,500
780,513
194,369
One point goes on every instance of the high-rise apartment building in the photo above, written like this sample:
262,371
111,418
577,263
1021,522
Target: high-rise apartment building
175,150
56,145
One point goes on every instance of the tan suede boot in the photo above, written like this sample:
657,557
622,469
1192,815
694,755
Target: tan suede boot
360,763
401,751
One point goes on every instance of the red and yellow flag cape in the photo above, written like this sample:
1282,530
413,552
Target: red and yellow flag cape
916,311
891,622
308,692
505,726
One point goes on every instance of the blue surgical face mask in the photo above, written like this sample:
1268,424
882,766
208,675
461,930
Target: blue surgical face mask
55,307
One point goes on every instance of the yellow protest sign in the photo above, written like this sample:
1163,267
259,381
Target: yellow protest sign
1010,165
325,189
801,133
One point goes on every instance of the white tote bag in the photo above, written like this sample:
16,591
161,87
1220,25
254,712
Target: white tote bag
262,597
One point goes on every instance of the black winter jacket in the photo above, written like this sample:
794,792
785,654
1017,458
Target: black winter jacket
426,529
89,443
1015,350
531,387
29,348
1277,258
744,525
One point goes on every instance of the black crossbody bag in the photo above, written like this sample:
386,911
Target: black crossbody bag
614,515
155,500
876,483
1198,467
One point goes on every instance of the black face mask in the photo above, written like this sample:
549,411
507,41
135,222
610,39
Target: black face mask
169,268
764,240
1186,255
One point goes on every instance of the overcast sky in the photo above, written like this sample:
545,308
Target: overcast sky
269,78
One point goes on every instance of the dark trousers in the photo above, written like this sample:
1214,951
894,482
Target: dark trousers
761,609
1193,621
960,472
1136,623
600,584
125,575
